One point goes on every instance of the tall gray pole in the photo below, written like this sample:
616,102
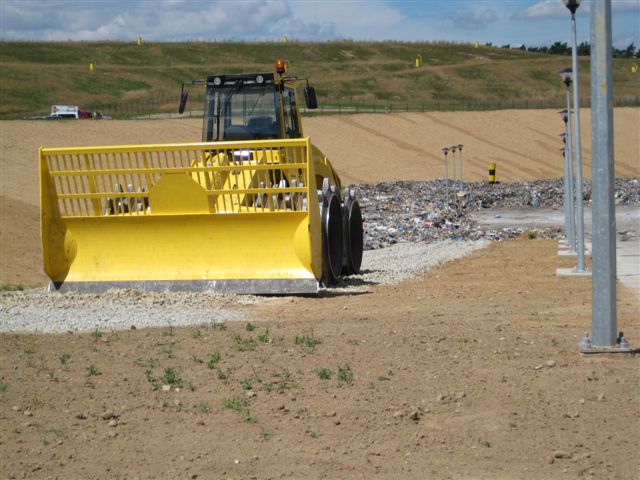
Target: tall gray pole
576,114
603,320
572,215
460,157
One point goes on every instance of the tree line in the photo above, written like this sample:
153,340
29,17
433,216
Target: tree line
584,49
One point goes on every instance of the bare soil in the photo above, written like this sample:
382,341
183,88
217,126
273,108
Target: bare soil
471,371
363,148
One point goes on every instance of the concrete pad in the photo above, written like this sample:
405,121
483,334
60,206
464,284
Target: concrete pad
571,272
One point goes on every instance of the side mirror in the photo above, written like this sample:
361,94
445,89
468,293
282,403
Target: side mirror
310,97
183,101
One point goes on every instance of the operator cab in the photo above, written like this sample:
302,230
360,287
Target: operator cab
253,106
249,107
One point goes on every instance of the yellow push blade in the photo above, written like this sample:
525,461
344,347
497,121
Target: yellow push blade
226,217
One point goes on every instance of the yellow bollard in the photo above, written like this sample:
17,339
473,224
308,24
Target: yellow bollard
492,173
634,68
418,61
92,66
476,45
139,40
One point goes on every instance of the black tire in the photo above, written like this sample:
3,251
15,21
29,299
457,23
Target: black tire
331,238
353,237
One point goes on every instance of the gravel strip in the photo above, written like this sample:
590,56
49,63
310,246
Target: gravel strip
387,266
37,310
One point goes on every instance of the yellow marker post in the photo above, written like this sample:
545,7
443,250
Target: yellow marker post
476,45
634,68
418,61
492,173
139,41
92,67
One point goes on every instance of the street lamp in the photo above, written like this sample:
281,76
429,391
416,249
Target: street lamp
569,197
573,5
460,157
453,154
446,172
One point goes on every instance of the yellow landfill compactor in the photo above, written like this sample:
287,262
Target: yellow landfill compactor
255,208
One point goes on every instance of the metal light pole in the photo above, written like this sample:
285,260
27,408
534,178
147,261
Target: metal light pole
568,225
446,172
453,157
603,319
460,157
568,187
573,5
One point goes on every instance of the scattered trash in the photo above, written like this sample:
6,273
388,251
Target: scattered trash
411,211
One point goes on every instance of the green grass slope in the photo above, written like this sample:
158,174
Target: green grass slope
130,78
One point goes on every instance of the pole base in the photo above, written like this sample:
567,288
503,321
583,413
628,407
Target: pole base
572,272
621,346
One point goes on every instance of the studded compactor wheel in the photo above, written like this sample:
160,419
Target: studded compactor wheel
352,234
332,237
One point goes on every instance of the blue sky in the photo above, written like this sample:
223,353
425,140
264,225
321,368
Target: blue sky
529,22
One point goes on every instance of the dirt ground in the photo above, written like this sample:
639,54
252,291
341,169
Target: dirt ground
364,149
468,372
471,371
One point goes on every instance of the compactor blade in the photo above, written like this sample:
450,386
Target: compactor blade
224,217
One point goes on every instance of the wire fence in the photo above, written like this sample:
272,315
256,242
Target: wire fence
161,107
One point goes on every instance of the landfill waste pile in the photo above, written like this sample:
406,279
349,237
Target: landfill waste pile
411,211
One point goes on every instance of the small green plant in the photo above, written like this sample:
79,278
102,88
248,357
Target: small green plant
191,387
224,375
555,342
196,359
284,380
64,358
323,373
196,334
308,340
264,337
354,341
204,408
52,377
485,443
3,387
532,234
345,375
236,404
171,377
244,344
268,387
90,384
96,334
315,435
219,326
382,378
250,327
513,425
247,383
168,332
265,434
168,351
214,359
92,370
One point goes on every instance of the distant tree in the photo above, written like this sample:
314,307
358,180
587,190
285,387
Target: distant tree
559,48
630,51
508,45
584,49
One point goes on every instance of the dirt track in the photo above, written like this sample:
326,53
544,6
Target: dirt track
364,149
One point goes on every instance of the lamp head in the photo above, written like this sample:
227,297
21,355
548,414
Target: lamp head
567,76
572,5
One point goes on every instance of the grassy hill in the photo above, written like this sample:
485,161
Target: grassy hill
130,78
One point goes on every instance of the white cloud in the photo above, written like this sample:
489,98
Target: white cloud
469,20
